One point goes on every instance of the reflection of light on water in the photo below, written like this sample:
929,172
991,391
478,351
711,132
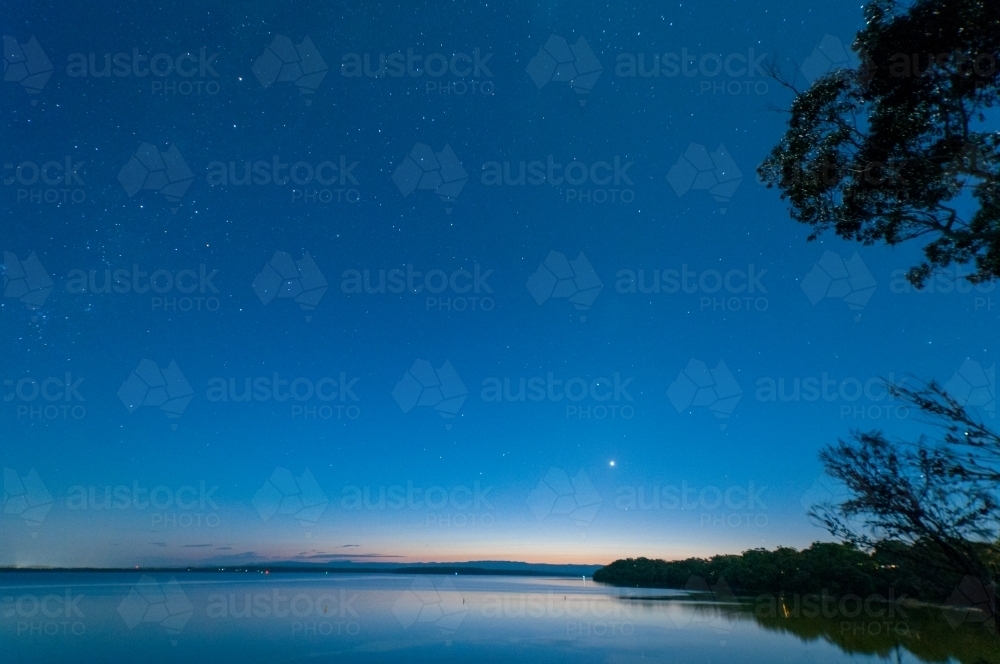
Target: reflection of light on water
505,619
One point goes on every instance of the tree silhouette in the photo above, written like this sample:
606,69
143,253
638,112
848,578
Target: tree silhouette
895,149
940,496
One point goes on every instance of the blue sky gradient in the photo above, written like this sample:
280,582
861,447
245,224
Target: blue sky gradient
547,489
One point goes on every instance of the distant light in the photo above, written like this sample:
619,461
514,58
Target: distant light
612,464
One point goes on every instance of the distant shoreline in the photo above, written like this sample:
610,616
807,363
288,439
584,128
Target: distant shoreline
434,569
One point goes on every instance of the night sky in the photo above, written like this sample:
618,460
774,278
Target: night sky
274,310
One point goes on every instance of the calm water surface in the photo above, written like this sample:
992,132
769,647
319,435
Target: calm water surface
202,617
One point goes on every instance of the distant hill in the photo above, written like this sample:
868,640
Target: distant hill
469,568
505,567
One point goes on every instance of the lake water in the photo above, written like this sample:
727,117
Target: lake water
207,617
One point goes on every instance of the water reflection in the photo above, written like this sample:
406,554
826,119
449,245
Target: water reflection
890,631
926,633
205,617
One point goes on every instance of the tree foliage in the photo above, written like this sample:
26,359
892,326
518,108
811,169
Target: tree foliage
832,568
895,149
939,496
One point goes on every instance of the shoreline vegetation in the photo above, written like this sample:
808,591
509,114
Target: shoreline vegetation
875,604
893,572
